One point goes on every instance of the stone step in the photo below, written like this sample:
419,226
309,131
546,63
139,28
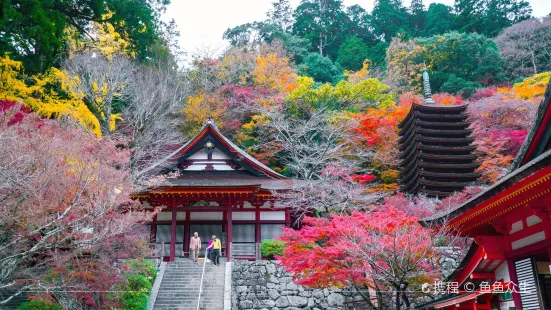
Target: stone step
181,282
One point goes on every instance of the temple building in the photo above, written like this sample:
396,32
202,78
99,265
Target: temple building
436,150
221,190
510,225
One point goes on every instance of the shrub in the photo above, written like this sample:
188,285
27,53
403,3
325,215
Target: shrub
138,292
38,305
140,276
271,247
143,267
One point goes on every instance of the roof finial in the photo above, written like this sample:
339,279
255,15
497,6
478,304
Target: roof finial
426,86
210,122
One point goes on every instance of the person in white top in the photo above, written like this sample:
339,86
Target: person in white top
194,247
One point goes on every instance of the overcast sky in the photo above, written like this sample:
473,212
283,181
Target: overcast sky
201,23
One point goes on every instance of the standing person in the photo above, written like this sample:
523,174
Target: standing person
194,247
209,250
216,247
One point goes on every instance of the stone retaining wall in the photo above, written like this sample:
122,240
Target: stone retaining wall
267,286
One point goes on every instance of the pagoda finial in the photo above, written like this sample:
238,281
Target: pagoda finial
426,86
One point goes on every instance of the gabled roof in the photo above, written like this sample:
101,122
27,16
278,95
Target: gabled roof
537,140
533,156
210,132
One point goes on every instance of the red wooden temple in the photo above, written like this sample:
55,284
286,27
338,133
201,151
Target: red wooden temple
511,227
221,191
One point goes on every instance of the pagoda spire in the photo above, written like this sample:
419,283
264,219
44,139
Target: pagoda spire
426,87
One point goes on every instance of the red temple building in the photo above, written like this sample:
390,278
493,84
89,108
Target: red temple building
436,150
510,225
222,191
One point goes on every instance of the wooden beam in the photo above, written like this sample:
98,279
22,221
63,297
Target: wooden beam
494,246
483,275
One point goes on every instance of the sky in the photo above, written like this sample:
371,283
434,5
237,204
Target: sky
201,23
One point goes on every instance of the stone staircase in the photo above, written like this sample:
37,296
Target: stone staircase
180,286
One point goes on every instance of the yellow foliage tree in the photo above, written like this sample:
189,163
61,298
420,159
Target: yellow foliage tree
369,92
533,86
197,109
275,73
47,94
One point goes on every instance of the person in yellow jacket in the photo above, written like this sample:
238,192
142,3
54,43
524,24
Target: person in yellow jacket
216,248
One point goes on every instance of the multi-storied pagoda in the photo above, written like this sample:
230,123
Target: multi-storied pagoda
221,190
436,149
509,263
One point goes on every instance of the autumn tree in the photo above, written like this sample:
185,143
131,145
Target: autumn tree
308,141
66,213
102,83
526,47
38,32
384,251
500,125
152,115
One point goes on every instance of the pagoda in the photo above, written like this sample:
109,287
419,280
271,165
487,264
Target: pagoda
436,150
508,265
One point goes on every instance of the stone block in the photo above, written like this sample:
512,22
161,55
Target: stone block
297,301
282,302
335,299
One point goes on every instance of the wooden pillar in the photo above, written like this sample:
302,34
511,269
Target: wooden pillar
513,278
187,233
287,218
257,224
173,235
153,231
228,230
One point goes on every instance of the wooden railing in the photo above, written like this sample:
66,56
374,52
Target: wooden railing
244,250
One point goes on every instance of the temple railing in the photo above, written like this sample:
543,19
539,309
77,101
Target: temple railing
202,277
244,250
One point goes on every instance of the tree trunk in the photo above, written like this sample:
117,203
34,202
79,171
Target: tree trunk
320,46
534,62
398,296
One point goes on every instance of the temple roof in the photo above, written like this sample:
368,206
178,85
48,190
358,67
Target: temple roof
210,130
539,136
233,179
540,162
211,160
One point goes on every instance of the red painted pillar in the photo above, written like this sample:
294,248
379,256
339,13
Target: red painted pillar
153,231
287,218
187,234
257,225
173,235
228,231
513,277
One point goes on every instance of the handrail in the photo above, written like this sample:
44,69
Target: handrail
202,276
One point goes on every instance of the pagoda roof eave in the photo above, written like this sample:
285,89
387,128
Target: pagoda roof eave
501,187
430,108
